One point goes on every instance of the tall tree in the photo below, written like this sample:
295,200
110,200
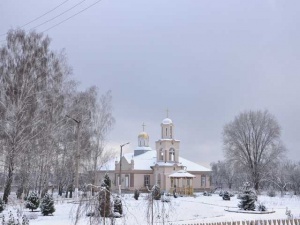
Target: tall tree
252,139
29,70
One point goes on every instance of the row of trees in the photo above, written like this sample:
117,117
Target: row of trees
254,152
39,104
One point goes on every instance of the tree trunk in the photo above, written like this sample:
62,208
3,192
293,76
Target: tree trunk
7,187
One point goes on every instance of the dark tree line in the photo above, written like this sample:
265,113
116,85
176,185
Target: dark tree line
37,140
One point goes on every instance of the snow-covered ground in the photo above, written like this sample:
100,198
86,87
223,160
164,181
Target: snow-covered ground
179,210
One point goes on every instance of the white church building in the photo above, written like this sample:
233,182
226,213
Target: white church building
144,167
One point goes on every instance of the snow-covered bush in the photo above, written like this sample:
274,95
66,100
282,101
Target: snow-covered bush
261,207
156,192
165,198
136,194
206,193
118,205
15,221
32,201
226,195
47,205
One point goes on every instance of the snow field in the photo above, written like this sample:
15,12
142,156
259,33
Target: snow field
181,210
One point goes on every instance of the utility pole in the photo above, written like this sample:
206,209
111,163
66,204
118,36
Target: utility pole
120,174
77,156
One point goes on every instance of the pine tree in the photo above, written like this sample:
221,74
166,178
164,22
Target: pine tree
47,205
32,201
248,198
2,205
104,197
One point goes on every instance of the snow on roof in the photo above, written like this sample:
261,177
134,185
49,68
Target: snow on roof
167,121
143,148
146,160
191,166
181,173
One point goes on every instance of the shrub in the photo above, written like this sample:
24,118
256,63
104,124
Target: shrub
136,194
118,205
226,195
261,207
156,192
47,205
32,201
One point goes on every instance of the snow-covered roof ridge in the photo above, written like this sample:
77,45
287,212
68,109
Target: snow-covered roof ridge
191,166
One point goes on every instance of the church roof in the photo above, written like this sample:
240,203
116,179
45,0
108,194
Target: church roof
167,121
146,160
181,173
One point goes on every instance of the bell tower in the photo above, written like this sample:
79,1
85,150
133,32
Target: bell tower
167,147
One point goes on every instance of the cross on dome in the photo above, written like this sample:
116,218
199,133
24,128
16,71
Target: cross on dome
143,125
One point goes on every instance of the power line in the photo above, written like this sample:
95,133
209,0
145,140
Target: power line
55,25
64,12
51,10
44,14
72,16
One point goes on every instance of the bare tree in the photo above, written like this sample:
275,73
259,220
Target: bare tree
252,139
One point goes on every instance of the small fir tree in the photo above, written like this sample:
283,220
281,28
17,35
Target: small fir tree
104,197
118,205
107,182
248,198
156,192
47,205
32,201
136,194
2,205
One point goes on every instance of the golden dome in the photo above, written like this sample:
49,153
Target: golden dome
143,135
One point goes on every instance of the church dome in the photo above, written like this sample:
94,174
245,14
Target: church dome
143,135
167,121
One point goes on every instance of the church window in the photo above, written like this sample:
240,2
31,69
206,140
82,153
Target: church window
161,155
158,180
172,154
166,132
171,131
146,180
203,181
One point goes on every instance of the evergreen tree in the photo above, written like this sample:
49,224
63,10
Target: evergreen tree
2,205
118,205
107,182
156,192
248,198
104,197
32,201
47,205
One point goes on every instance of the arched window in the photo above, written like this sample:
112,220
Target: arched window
161,154
158,180
172,154
166,132
171,132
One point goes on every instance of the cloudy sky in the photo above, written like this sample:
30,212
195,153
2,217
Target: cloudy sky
206,61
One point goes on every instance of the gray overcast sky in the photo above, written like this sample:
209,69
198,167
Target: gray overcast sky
206,61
